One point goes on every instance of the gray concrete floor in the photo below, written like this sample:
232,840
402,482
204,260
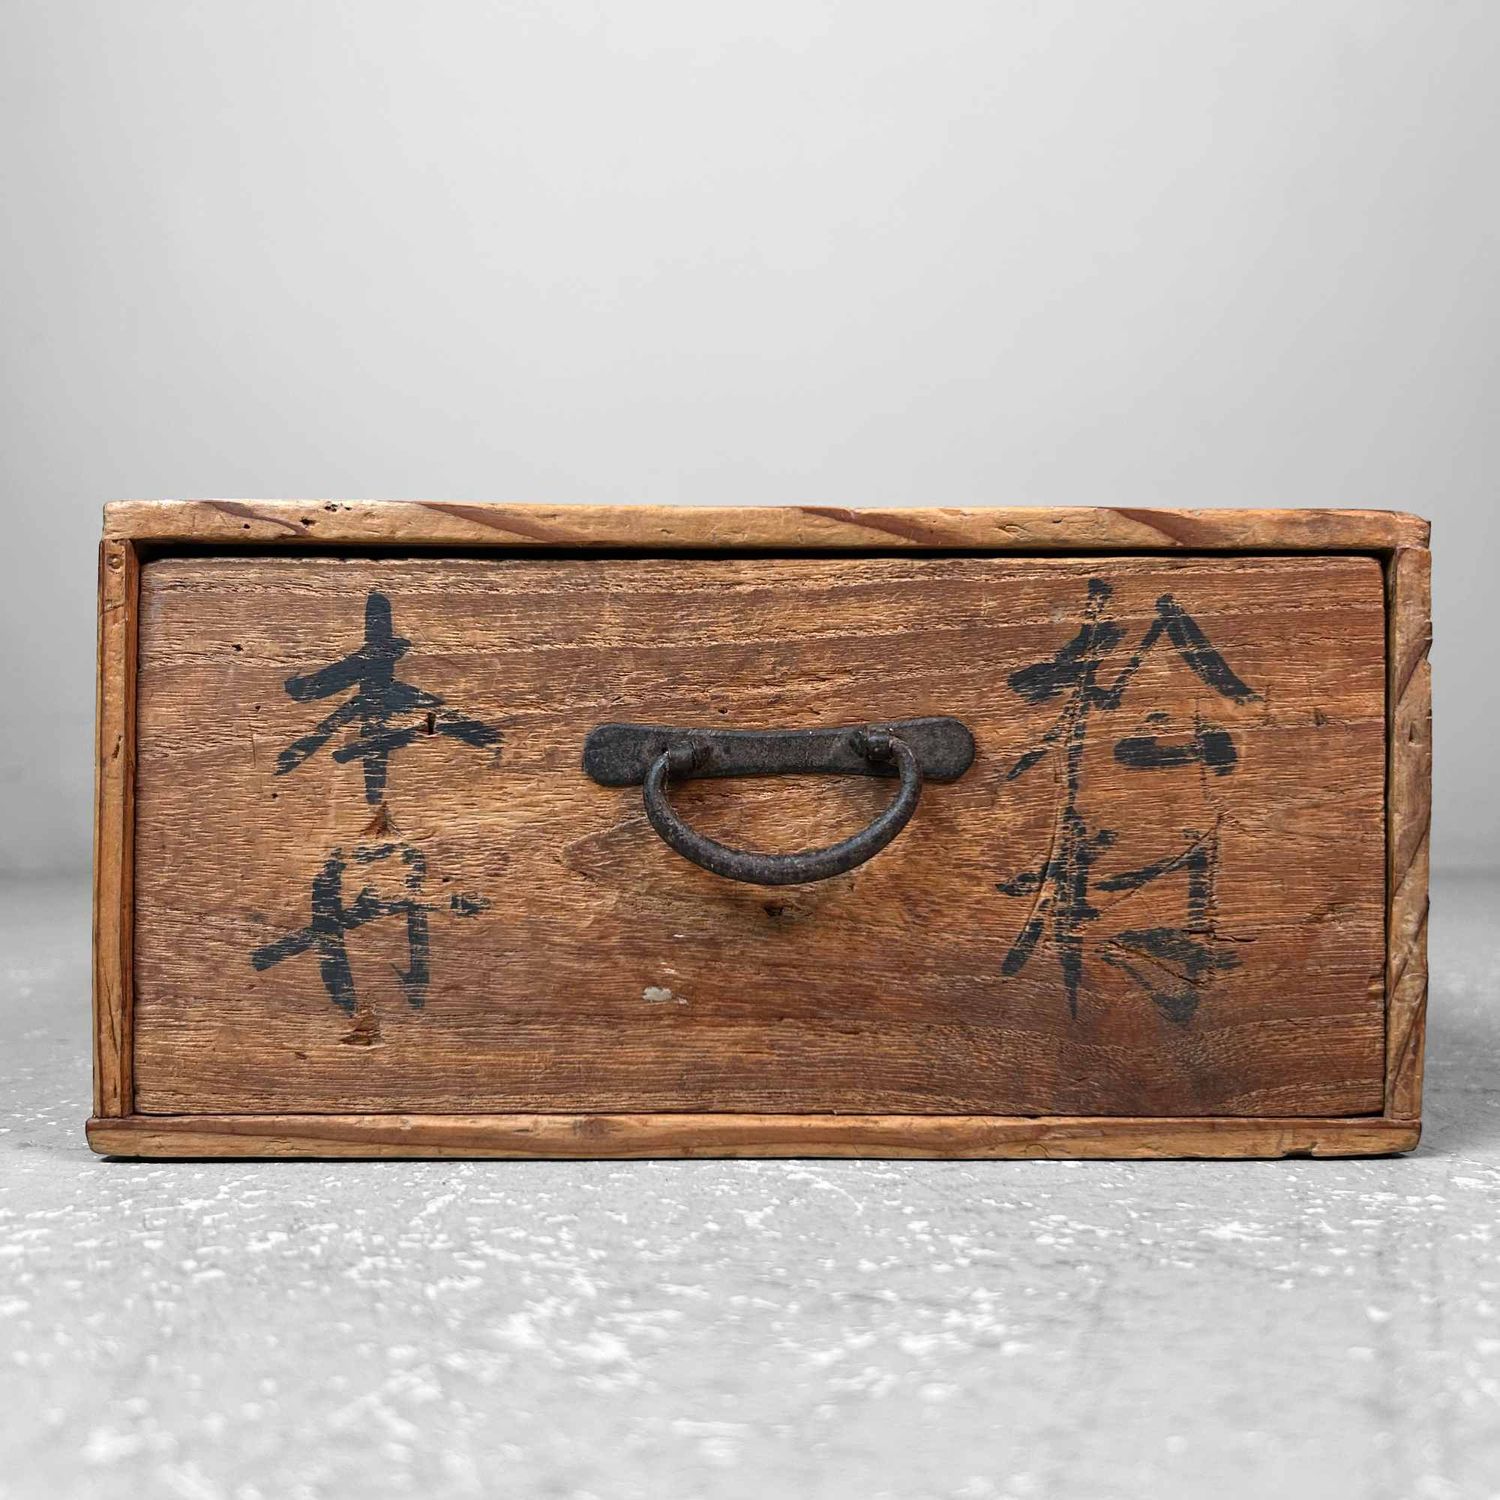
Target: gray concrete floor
671,1330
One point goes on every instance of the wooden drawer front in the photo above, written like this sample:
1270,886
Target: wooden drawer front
387,886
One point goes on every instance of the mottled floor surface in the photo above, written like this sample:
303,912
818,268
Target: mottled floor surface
805,1329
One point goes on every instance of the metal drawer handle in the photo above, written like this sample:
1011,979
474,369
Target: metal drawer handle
624,754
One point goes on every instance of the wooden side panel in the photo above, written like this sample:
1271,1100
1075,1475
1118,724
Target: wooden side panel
659,528
114,826
1409,587
1159,891
587,1136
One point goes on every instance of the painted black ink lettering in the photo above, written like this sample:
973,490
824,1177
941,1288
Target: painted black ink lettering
1210,747
334,917
1170,964
379,700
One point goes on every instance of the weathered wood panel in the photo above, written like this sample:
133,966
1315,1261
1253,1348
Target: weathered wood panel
114,827
587,1136
1202,852
1409,600
438,523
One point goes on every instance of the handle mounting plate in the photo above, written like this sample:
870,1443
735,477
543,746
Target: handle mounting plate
622,754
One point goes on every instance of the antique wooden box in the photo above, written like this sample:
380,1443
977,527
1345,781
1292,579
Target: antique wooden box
492,830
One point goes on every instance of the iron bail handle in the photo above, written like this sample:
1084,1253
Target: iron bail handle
941,749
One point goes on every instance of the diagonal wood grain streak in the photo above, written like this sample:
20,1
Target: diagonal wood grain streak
1409,611
433,523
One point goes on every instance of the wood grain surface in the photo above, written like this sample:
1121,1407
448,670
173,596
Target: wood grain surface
1409,789
1225,816
439,523
114,828
701,1135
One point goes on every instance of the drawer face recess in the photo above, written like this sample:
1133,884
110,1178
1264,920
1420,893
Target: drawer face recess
371,875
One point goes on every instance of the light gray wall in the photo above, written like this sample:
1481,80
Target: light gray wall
930,253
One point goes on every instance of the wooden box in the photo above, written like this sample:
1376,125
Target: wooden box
1153,884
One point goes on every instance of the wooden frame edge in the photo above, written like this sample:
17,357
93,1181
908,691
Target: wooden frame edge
114,828
433,523
1408,823
729,1135
115,1130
